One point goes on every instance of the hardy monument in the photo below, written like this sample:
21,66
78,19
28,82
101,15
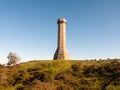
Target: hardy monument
61,52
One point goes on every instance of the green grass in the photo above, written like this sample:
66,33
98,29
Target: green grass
61,75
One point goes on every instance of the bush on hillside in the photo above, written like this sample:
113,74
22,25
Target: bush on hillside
13,58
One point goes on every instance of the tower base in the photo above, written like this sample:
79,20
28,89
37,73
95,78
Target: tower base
61,55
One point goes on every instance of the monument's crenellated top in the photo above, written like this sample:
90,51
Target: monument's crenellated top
62,20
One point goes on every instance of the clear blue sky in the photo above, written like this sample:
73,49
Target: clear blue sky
29,28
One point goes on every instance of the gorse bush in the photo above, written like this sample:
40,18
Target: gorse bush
61,75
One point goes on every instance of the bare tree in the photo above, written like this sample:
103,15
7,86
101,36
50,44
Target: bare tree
13,58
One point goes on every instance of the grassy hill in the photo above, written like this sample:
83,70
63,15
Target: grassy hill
61,75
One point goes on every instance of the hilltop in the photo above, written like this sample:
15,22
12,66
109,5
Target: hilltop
61,75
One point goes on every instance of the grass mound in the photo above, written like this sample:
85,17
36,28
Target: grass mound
61,75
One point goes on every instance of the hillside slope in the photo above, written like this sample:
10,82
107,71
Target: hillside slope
61,75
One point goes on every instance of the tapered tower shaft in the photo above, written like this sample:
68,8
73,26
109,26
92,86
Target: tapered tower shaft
61,52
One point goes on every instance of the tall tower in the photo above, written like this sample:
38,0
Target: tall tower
61,52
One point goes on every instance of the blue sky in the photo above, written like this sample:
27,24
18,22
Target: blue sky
29,28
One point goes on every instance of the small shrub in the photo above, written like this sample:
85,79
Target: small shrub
13,58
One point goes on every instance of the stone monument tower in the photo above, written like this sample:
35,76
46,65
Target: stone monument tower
61,52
